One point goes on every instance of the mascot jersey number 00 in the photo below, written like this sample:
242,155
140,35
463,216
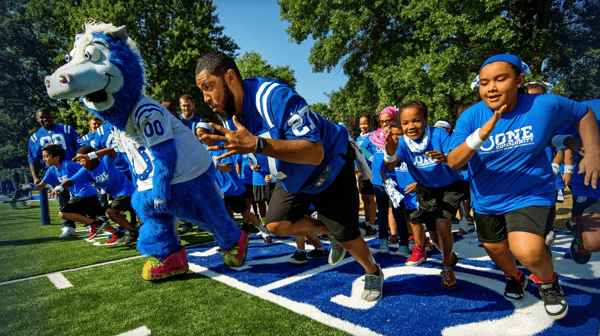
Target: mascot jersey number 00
172,171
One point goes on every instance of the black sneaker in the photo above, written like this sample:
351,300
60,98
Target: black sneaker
554,299
314,254
572,227
132,237
578,253
299,258
515,287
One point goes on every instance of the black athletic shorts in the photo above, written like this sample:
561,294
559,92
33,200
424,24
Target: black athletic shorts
533,219
249,193
584,204
237,203
89,205
262,193
122,203
442,202
337,205
430,224
365,187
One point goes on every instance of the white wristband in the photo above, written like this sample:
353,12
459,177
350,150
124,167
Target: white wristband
389,158
559,140
474,141
555,168
569,169
58,188
92,155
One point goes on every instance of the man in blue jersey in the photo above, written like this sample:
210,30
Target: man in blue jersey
310,157
187,116
90,138
53,134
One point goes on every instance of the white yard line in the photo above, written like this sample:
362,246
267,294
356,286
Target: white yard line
141,331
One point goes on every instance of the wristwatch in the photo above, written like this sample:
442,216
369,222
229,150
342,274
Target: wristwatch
260,144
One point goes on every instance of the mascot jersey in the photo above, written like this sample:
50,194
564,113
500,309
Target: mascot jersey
62,135
272,109
511,170
424,169
149,124
105,139
230,183
107,176
65,171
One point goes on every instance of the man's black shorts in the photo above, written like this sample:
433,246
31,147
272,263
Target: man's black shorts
237,203
89,205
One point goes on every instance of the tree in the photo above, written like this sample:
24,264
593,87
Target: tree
429,50
251,64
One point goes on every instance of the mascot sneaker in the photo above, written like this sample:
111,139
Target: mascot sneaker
174,264
237,255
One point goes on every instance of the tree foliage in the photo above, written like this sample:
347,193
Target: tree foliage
251,64
429,50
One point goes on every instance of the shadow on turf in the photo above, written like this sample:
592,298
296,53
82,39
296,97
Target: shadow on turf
32,241
181,277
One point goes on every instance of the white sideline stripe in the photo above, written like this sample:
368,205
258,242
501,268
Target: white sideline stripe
59,280
141,331
297,307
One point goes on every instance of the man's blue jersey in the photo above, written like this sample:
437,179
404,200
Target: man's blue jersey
244,161
272,109
191,124
423,168
105,139
62,135
511,170
230,183
107,176
89,139
66,170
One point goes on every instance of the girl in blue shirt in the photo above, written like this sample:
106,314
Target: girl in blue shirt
503,138
365,187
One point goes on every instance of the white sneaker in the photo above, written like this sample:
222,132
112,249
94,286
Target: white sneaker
67,231
403,251
550,238
383,246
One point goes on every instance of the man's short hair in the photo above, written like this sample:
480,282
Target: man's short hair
217,63
186,97
93,117
42,110
55,150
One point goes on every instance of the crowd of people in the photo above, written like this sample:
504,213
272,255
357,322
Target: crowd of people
507,159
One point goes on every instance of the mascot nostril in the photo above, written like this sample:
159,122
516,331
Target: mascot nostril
168,163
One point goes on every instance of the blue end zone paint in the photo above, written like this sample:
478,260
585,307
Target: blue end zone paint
417,302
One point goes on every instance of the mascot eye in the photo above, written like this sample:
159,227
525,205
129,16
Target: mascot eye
68,58
92,54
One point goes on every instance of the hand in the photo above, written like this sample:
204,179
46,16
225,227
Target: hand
391,146
236,142
268,178
255,168
360,176
590,166
488,127
567,179
37,181
437,156
575,145
411,188
82,159
54,193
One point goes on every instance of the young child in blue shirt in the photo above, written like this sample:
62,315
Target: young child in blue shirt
365,186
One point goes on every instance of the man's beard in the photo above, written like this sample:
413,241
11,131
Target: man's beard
229,106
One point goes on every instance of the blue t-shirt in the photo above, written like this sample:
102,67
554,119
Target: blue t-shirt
272,109
559,184
258,177
230,183
62,135
362,141
403,179
511,170
66,170
89,139
246,170
376,161
423,168
105,139
578,186
107,176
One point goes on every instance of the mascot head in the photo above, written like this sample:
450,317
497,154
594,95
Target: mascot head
106,69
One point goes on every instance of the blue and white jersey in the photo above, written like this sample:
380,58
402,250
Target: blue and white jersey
89,140
107,176
376,161
578,186
105,139
191,124
62,135
246,170
66,170
230,183
272,109
258,177
149,124
424,169
511,170
403,178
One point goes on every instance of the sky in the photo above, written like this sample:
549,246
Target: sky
257,26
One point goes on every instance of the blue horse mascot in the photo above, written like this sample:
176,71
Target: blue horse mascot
173,173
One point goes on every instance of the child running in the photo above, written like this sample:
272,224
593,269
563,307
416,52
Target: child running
503,139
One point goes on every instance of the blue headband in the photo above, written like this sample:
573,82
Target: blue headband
205,126
508,58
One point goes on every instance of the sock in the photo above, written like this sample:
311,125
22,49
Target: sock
514,276
537,280
263,221
301,251
263,230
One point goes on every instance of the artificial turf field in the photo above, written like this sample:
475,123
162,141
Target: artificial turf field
268,296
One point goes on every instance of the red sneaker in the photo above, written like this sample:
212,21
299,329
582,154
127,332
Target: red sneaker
96,227
428,245
417,257
237,255
174,264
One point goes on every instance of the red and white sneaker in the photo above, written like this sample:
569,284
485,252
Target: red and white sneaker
237,255
417,257
428,245
96,227
174,264
115,239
